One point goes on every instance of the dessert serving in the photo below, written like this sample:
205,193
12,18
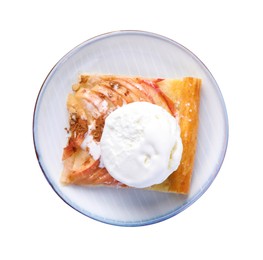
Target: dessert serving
132,132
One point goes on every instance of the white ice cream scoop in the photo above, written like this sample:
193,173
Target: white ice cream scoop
141,144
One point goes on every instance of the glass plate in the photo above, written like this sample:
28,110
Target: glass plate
128,53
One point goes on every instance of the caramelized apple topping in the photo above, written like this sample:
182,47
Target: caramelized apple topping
78,125
99,125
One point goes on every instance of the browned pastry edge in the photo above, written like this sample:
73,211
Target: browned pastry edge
186,96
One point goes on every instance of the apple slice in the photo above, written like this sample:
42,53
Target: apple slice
89,173
77,165
135,88
114,97
126,94
101,176
83,173
159,98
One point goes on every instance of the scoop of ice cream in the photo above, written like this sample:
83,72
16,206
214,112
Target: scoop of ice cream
141,144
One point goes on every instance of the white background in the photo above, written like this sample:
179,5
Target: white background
225,223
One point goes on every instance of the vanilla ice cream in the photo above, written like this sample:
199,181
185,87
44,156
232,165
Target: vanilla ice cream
141,144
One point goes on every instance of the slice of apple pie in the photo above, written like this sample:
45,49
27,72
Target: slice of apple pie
94,97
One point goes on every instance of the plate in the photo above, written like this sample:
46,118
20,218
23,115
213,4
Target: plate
128,53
